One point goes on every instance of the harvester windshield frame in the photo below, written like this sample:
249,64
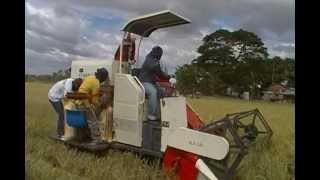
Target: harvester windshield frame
143,26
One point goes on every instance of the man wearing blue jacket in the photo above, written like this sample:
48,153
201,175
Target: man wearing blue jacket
148,74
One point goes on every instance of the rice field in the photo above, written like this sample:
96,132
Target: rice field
47,159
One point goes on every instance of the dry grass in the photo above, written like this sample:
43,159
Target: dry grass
47,159
276,162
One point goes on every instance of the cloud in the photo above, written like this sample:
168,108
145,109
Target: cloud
91,28
282,50
54,61
90,48
50,22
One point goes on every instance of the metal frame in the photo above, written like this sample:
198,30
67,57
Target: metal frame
238,146
138,49
86,146
222,168
121,52
182,21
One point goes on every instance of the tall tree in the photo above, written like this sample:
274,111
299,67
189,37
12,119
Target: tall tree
234,57
187,80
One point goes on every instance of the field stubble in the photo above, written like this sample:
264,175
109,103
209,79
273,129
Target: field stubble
47,159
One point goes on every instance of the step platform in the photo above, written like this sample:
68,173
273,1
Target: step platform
83,145
87,146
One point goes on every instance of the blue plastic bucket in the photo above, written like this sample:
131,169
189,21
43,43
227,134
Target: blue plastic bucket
76,118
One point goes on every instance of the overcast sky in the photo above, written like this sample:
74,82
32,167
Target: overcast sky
59,31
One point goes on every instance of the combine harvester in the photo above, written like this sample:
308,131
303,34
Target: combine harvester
187,147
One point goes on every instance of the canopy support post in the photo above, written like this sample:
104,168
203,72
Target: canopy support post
138,49
121,52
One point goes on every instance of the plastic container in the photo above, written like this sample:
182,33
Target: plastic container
69,132
76,118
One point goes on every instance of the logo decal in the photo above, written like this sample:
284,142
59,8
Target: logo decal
195,143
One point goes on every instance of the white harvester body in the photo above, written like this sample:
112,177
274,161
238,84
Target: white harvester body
130,102
130,112
83,67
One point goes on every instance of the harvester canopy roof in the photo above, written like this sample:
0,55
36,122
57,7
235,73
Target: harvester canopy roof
146,24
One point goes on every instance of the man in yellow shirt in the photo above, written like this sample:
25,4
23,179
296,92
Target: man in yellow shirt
91,86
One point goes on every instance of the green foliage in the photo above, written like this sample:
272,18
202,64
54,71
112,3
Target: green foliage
194,78
42,78
233,59
54,77
187,79
282,69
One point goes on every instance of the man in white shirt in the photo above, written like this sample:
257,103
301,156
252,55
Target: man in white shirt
56,95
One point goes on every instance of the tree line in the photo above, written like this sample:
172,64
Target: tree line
237,60
48,78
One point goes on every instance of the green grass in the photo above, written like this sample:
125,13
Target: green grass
47,159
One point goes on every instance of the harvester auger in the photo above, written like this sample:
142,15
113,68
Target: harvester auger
242,130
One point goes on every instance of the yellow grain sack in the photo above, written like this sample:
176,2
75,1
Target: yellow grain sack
109,119
105,121
103,124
